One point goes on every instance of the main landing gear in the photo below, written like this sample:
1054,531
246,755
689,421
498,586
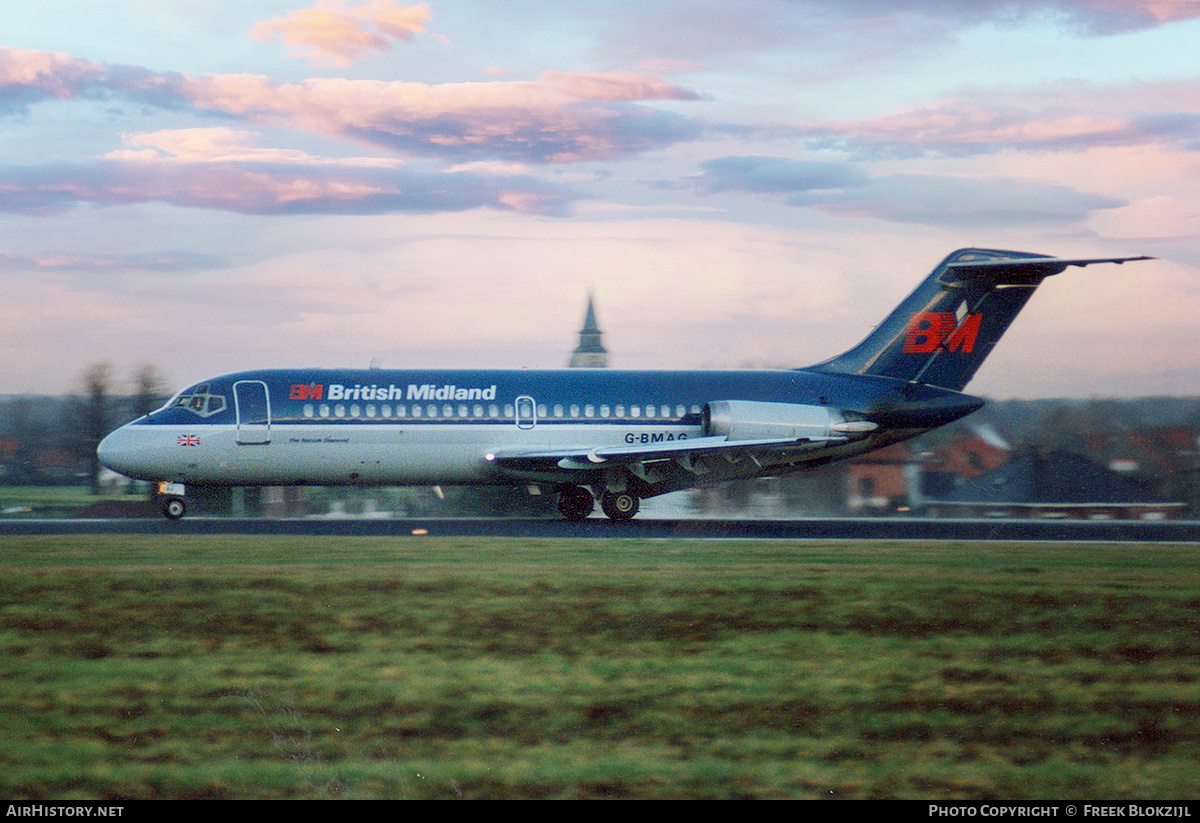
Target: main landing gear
620,505
577,503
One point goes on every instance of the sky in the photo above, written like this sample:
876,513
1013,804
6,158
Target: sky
218,185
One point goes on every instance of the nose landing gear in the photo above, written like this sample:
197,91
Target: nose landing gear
169,497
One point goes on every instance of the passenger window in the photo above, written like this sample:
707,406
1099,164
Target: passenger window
635,411
604,411
324,410
309,410
620,411
558,410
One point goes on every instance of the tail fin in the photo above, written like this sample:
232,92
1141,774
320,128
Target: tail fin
942,332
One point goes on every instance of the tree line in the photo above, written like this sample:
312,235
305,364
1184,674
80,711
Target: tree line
49,440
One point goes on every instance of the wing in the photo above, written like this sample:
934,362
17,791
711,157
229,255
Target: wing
658,462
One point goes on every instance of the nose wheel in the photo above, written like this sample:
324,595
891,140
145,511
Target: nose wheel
620,505
174,508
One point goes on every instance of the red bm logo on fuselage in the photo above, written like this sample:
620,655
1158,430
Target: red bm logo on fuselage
306,391
929,331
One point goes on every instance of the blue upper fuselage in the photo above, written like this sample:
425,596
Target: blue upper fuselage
376,396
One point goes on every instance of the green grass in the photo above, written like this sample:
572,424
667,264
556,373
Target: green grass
52,501
274,667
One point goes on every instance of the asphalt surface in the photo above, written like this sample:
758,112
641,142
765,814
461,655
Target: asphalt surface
1178,531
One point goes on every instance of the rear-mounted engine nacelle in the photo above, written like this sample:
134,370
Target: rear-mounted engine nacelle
753,420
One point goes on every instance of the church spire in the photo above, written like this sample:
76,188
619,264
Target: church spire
590,353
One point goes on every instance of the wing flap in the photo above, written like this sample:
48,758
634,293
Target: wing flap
683,452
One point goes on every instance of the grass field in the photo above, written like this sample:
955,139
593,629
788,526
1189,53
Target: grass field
53,501
274,667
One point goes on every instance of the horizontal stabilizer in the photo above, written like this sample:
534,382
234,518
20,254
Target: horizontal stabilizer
1025,269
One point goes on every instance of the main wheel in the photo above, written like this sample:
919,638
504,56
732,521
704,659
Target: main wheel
620,505
174,508
575,503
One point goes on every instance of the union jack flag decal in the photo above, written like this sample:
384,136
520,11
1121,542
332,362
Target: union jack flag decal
188,440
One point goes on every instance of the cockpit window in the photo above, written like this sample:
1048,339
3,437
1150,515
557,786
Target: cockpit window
201,401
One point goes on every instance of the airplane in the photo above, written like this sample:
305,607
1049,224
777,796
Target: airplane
616,437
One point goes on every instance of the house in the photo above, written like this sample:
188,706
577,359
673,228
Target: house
1053,483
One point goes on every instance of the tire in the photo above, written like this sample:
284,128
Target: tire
575,503
174,508
620,505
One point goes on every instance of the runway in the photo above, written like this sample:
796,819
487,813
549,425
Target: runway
1177,531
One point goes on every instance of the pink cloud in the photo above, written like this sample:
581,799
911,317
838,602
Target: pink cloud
92,263
57,74
1160,11
340,34
226,145
266,185
615,85
560,117
1066,116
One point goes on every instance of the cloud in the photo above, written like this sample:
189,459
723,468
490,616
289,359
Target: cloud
560,117
1093,17
268,188
849,33
339,34
157,262
1069,116
28,77
226,145
940,200
773,175
960,202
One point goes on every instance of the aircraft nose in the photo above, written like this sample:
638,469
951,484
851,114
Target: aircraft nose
116,451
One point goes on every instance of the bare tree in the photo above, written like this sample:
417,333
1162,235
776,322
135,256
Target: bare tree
95,414
149,390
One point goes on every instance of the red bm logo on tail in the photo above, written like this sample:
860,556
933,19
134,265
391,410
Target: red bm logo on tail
302,391
929,331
